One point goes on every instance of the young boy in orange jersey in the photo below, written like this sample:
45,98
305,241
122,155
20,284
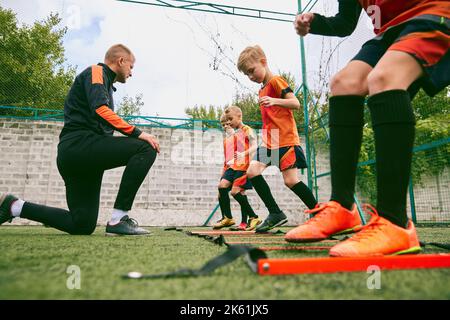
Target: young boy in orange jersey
281,143
410,51
228,147
238,148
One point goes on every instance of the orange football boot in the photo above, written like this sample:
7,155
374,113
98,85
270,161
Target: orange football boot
379,237
330,219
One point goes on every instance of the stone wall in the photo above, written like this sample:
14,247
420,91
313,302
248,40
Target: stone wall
181,187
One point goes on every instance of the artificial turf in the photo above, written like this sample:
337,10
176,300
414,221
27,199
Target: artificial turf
34,262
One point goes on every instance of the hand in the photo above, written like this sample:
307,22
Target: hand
266,101
230,163
151,139
302,23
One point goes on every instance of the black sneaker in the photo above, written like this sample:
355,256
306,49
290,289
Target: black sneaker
6,200
126,226
272,221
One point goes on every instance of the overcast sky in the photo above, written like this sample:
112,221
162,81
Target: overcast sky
178,64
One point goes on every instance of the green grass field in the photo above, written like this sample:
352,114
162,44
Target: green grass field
34,261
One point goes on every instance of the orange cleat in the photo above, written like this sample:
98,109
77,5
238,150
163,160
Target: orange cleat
331,219
379,237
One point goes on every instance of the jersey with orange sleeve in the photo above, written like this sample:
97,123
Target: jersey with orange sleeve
384,14
89,104
229,147
244,136
279,127
394,12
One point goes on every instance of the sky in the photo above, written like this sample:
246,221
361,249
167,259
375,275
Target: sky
186,58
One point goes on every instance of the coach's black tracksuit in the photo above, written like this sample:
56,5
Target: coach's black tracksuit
87,148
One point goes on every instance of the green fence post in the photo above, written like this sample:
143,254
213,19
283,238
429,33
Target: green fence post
210,216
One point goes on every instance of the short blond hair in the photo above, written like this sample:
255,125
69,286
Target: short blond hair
117,51
251,53
223,117
233,109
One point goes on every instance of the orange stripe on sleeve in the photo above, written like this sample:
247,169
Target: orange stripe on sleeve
112,118
97,74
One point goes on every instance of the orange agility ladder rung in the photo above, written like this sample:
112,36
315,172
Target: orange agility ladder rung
219,232
296,248
347,264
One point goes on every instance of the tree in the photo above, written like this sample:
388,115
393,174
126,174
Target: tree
425,106
205,113
131,107
211,114
31,58
433,119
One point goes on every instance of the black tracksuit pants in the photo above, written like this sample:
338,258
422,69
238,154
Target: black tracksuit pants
83,156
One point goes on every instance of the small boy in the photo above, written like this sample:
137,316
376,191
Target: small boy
281,143
234,172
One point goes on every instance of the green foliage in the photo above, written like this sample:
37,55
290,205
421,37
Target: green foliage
203,112
432,161
433,124
131,107
248,102
211,114
31,59
425,106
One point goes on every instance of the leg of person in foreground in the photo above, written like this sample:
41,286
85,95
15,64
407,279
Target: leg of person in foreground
390,232
346,120
83,186
410,52
276,217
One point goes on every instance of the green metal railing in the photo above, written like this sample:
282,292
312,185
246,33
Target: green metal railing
30,113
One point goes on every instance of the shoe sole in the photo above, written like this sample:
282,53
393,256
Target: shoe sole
280,223
107,234
346,231
413,250
410,250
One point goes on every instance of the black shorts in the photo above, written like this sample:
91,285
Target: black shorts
237,178
425,38
284,158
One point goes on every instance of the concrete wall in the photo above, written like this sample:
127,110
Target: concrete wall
181,187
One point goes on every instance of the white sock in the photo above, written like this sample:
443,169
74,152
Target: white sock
117,215
16,207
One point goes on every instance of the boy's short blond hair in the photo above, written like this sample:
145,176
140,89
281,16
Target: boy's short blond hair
232,109
251,53
223,117
117,51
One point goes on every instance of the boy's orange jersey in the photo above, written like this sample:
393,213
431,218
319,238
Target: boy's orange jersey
279,128
229,147
394,12
243,137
